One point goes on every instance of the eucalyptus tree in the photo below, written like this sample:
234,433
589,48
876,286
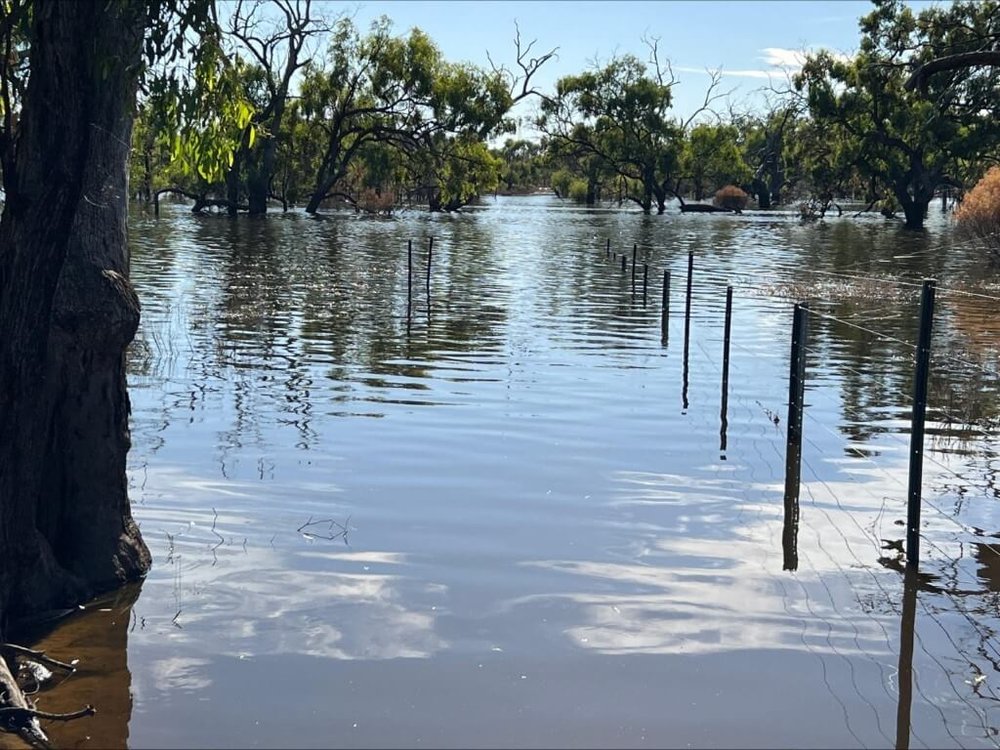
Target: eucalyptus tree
711,158
764,137
274,37
67,309
399,90
194,113
619,114
911,140
523,166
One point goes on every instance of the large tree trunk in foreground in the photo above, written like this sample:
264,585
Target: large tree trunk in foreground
67,312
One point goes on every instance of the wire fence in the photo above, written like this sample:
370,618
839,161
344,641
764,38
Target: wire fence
962,605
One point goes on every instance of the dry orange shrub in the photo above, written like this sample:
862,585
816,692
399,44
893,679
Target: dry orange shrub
731,197
979,213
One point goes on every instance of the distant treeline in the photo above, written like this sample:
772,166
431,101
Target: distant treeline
282,105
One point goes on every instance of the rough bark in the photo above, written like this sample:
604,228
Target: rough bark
67,311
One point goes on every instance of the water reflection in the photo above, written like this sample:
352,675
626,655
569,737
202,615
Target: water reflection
98,637
906,633
543,549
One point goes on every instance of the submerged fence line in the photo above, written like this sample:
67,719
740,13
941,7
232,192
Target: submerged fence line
918,399
908,635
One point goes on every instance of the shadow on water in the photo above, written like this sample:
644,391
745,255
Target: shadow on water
98,637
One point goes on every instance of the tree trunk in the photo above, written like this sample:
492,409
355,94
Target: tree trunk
68,312
915,211
763,195
257,193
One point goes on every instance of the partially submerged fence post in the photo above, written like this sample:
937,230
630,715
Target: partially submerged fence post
624,261
635,250
687,331
607,249
409,276
793,446
430,253
920,375
727,332
645,282
665,309
687,302
904,673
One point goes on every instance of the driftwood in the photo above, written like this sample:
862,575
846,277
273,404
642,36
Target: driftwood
18,713
13,699
704,208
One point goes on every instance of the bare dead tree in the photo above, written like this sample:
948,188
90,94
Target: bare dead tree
520,81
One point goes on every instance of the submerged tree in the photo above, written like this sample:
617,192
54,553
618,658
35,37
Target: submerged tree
400,91
711,158
910,141
619,116
276,51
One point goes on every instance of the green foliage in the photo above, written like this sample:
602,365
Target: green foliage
524,165
711,157
200,116
399,91
617,117
910,142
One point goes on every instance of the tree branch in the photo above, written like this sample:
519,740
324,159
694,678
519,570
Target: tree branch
918,79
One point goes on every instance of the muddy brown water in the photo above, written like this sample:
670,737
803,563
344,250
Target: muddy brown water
546,545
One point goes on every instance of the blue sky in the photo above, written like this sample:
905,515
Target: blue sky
746,39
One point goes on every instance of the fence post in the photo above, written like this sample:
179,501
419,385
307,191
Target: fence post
687,332
793,445
430,254
645,282
687,300
409,275
921,372
624,261
727,332
635,250
665,308
607,249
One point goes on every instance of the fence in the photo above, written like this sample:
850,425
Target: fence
800,345
913,581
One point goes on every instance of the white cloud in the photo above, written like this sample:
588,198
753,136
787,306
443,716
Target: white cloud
779,57
766,74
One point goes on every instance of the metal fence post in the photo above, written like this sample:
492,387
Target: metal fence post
921,372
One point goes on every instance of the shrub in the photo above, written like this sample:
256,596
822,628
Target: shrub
578,191
731,197
978,215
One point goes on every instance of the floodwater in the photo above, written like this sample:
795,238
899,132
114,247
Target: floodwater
554,536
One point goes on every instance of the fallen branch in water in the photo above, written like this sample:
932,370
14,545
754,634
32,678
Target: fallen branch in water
38,656
12,698
330,536
23,714
18,712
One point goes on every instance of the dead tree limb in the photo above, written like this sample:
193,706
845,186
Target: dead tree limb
24,714
39,656
20,721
